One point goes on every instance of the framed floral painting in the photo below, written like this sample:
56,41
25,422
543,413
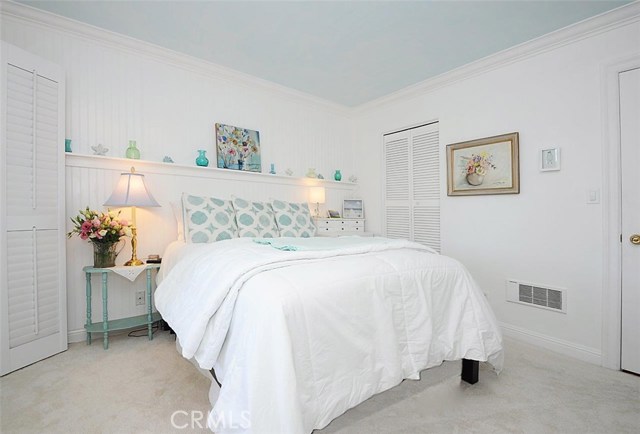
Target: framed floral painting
238,148
484,166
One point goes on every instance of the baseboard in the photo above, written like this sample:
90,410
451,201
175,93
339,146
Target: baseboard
581,352
76,336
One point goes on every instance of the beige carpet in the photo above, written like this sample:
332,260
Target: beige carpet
137,384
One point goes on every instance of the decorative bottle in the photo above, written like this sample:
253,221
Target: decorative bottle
202,159
132,151
337,176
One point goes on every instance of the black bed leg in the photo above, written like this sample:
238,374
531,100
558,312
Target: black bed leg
470,370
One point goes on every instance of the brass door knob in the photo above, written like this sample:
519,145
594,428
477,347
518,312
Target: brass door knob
635,239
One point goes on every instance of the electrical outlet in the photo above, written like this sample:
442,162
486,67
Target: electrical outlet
140,298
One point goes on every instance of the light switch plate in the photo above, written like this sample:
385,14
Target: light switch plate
593,197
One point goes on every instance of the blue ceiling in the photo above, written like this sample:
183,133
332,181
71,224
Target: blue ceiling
348,52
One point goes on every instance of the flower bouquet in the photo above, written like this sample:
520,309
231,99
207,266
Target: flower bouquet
477,167
104,231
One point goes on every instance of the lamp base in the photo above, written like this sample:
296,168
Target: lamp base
133,263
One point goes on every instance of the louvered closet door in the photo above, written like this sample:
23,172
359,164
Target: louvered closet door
397,194
412,185
32,257
32,277
426,185
31,150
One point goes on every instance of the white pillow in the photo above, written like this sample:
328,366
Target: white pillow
293,219
177,213
208,219
255,219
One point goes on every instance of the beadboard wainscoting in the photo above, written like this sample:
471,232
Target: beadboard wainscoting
120,89
91,179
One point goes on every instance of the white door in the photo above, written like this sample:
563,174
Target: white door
630,161
412,185
33,321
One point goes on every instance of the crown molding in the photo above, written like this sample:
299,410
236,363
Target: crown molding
593,26
22,13
590,27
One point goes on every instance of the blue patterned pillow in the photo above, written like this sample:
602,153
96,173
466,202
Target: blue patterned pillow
293,219
255,219
207,219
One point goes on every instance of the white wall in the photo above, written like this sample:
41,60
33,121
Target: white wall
120,89
547,234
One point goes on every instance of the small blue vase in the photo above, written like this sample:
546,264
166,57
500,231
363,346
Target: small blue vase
202,159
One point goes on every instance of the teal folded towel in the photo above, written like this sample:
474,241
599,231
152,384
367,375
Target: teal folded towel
293,244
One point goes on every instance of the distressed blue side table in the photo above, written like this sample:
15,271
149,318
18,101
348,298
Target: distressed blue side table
105,326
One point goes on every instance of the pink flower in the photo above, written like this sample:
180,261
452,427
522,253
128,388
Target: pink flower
86,226
124,223
96,222
84,236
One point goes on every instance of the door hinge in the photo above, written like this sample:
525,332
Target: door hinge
620,237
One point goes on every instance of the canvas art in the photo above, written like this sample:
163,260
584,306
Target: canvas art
483,166
238,148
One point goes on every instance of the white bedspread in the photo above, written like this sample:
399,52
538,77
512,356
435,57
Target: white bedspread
299,337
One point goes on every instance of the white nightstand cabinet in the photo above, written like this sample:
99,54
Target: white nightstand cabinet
328,227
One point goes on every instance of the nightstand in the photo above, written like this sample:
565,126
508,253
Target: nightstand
328,227
106,325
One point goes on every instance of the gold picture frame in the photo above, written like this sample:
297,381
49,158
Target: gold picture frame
484,166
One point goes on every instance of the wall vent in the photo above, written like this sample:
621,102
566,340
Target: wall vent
537,295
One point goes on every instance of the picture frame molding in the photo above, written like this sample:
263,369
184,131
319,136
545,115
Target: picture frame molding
556,166
515,165
360,209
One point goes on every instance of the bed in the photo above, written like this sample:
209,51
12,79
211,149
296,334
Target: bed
298,331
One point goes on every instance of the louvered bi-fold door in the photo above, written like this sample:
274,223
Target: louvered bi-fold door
32,257
412,185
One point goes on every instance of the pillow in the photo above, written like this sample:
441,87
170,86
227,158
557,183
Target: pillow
293,219
176,207
255,219
207,219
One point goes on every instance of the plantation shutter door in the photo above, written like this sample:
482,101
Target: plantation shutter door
412,185
32,281
396,186
426,185
31,149
33,323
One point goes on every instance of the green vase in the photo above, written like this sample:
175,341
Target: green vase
104,254
132,151
202,159
337,176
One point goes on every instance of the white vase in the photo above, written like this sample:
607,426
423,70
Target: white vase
475,179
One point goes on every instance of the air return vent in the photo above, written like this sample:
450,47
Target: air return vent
537,295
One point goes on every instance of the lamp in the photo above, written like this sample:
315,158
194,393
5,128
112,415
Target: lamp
132,191
317,195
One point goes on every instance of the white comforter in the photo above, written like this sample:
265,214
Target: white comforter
297,338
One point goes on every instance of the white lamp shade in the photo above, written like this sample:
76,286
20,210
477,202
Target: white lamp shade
131,191
317,195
